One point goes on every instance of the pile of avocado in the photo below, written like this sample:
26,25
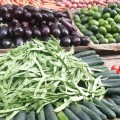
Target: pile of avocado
102,25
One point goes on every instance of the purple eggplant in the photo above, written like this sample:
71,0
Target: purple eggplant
3,9
18,31
45,30
45,16
63,29
6,43
19,41
7,16
46,10
1,19
46,38
36,32
9,7
15,22
3,31
44,22
29,40
65,41
51,17
28,32
37,16
68,25
10,30
25,24
59,14
58,40
67,19
75,40
85,40
31,8
50,23
75,33
32,22
27,16
55,31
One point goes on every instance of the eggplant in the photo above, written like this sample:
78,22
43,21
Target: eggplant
29,40
45,16
67,19
51,17
28,32
75,33
65,42
46,10
15,22
32,22
18,41
3,9
7,16
50,23
44,22
36,32
46,38
1,19
25,24
63,29
59,14
6,43
18,31
75,40
58,40
10,30
68,25
27,16
9,7
3,31
37,16
85,40
45,31
31,8
55,31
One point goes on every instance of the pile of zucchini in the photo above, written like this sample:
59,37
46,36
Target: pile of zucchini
107,108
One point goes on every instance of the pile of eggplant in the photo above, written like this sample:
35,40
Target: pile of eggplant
21,24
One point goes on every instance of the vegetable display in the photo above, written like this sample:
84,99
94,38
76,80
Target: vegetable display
34,75
116,68
24,23
100,24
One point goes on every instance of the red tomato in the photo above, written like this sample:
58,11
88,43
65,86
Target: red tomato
118,72
115,67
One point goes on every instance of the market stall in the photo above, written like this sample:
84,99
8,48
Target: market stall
59,59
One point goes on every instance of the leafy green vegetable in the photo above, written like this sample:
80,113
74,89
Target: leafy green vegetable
33,75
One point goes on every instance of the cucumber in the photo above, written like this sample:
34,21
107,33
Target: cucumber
100,67
95,62
31,116
49,113
116,108
104,109
70,114
116,100
41,115
104,101
112,76
79,113
92,107
113,91
111,85
2,119
21,115
116,96
91,60
111,81
90,113
85,53
90,57
61,116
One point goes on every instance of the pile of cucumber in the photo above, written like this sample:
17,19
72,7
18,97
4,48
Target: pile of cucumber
107,108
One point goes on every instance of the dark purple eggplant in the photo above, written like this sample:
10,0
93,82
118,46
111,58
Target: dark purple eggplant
45,31
28,32
65,41
27,16
46,38
31,8
25,24
10,30
85,40
1,19
32,22
45,16
3,9
75,40
15,22
6,43
29,40
7,16
36,32
75,33
3,31
9,7
18,31
18,41
68,25
46,10
63,29
51,17
59,14
58,40
44,22
37,16
67,19
55,31
50,23
20,8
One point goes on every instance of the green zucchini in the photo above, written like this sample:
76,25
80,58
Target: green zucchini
104,109
116,108
2,119
31,116
70,114
116,100
113,91
21,115
111,85
90,113
61,116
79,113
90,57
91,60
112,76
49,112
111,81
41,115
100,67
85,53
104,101
92,107
95,62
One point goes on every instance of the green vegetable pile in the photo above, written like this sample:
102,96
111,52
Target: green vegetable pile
34,75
